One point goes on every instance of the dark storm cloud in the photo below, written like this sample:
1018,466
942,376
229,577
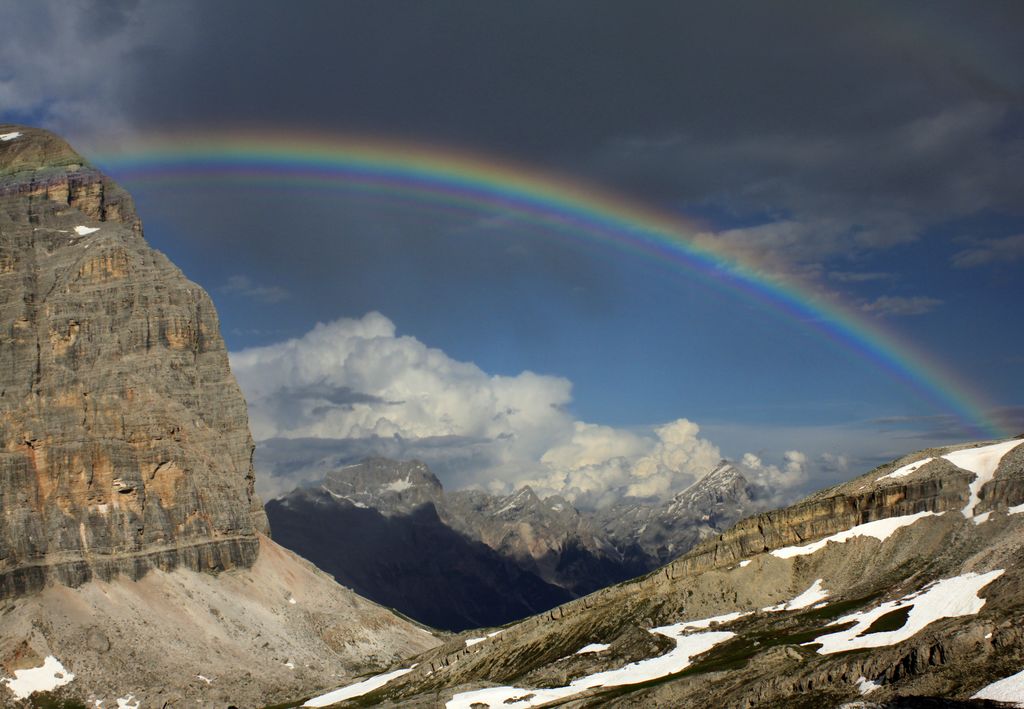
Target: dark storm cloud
845,128
542,77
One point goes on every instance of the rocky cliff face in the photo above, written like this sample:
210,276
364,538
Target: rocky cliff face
125,442
126,475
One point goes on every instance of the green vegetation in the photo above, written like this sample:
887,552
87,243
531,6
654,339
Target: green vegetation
893,620
48,700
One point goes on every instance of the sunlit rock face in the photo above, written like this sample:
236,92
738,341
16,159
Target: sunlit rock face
125,440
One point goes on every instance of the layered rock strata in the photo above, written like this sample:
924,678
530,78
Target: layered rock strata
124,440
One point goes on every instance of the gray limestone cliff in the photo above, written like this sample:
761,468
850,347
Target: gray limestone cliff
124,439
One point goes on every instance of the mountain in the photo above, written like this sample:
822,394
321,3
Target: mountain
134,554
657,534
402,554
900,588
468,559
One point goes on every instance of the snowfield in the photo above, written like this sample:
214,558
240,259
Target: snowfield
592,647
9,136
687,647
356,690
880,529
1010,690
85,230
45,678
983,463
948,598
814,594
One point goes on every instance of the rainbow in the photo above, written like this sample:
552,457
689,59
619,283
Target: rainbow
456,180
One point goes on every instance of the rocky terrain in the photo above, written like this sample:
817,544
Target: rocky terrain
133,550
469,559
899,588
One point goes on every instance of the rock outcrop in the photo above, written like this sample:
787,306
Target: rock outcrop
125,440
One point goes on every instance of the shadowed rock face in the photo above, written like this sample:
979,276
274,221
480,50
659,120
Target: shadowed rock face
124,440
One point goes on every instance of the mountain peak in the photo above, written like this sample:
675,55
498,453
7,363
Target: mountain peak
390,486
24,148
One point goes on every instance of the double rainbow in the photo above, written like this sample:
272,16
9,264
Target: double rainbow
449,179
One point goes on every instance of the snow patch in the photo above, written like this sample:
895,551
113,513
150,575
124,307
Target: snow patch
907,469
205,679
126,702
866,686
687,646
336,496
592,647
45,678
1010,690
290,665
398,485
948,598
814,594
982,518
880,529
745,562
470,642
983,463
9,136
291,600
85,231
1015,510
356,690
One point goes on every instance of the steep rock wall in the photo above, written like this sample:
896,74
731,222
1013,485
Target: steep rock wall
124,439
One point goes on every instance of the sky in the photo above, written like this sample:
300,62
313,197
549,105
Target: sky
866,156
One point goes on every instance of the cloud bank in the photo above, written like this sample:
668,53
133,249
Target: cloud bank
354,387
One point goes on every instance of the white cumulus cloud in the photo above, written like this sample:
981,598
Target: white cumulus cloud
355,387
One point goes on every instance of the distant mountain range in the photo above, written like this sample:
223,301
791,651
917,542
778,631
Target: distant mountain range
465,559
901,588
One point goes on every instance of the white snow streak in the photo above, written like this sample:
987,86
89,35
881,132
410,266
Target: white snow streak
398,485
745,562
356,690
9,136
1015,510
592,647
880,529
812,595
45,678
336,496
687,646
866,686
85,231
1010,690
907,469
983,463
126,702
948,598
470,642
